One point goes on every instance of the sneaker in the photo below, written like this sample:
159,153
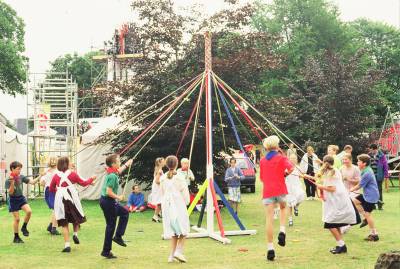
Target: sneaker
55,232
380,205
49,228
364,223
296,211
271,255
180,257
67,250
290,223
18,240
119,241
25,231
171,259
153,219
76,239
282,239
109,255
372,238
339,250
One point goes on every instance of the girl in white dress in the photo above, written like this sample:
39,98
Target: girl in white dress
175,198
296,194
338,210
155,189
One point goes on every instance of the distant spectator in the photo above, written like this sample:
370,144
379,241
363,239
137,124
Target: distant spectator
136,201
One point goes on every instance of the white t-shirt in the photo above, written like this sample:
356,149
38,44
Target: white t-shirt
48,177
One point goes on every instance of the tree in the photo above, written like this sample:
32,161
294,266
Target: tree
239,57
338,101
306,92
382,44
12,63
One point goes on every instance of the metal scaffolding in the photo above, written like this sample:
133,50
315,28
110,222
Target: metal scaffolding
52,113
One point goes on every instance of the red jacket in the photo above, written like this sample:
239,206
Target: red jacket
73,177
272,174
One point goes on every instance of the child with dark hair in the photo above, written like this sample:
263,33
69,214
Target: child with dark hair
112,209
175,197
233,176
67,205
365,202
136,201
17,201
380,167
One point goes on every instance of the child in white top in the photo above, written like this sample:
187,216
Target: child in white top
338,210
155,189
175,198
296,194
49,196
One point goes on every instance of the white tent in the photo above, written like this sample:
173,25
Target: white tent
90,158
12,148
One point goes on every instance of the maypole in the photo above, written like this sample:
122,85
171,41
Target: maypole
212,188
209,165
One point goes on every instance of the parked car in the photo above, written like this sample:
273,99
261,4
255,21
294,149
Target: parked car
248,170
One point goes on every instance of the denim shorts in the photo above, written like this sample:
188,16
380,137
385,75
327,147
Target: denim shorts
274,200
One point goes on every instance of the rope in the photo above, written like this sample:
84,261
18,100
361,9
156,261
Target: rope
159,118
189,121
162,125
196,122
278,132
138,115
220,118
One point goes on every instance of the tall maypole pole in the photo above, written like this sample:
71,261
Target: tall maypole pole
209,155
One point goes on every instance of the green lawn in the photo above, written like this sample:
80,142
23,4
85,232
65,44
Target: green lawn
307,242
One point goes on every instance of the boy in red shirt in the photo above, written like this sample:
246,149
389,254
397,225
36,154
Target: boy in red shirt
273,169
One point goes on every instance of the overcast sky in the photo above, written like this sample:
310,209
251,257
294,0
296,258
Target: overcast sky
57,27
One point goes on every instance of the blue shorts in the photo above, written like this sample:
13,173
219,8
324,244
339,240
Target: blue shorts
49,197
274,200
15,203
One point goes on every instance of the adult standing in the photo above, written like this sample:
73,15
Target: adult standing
380,168
310,164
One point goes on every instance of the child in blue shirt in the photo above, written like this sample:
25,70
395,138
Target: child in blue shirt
136,201
365,202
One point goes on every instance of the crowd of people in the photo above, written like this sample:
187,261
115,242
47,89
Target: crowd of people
335,180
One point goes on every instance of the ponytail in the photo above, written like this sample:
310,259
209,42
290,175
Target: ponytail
172,163
327,167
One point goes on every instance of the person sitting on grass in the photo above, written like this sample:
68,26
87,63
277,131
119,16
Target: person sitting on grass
136,201
273,169
365,202
17,201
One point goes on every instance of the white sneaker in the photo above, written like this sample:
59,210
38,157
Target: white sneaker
180,257
171,259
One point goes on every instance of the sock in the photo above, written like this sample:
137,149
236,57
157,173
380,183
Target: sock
24,225
291,218
374,232
270,246
16,235
67,244
282,229
340,243
76,233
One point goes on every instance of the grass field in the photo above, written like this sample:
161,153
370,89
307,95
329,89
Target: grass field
307,242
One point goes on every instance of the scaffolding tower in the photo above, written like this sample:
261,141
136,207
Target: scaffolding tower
52,119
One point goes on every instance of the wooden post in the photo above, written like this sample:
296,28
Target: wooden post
207,51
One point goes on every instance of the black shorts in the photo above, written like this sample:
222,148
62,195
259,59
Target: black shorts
368,207
16,203
334,225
